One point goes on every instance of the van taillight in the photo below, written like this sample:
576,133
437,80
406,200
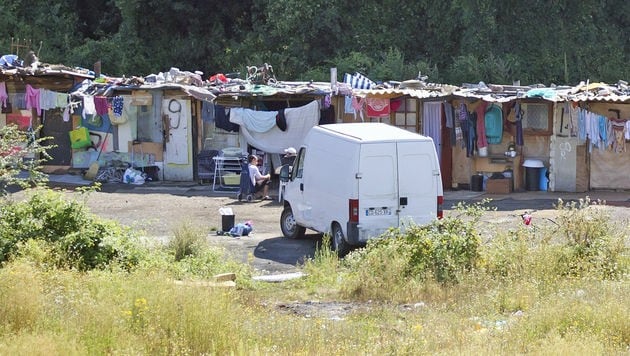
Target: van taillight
353,210
440,209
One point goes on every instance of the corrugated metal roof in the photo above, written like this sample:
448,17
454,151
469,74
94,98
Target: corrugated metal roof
394,93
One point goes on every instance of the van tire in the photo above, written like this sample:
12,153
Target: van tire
338,241
290,229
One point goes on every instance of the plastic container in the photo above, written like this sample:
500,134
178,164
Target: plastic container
227,219
227,222
532,178
476,183
533,168
544,180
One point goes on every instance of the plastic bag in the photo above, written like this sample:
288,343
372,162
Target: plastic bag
133,176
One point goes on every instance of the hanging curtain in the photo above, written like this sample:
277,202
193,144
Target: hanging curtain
431,123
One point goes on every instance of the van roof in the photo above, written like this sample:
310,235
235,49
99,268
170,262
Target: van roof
372,132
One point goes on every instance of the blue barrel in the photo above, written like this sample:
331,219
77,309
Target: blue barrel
544,180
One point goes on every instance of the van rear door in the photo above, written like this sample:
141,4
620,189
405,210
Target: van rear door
378,189
418,177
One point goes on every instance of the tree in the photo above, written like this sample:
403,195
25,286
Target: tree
21,151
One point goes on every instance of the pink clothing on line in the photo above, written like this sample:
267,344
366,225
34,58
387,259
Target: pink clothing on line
32,99
3,94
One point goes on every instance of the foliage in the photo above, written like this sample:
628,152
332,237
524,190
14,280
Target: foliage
561,43
186,242
515,299
593,244
21,151
75,237
440,251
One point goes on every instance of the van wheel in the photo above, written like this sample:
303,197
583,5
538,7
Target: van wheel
338,241
290,229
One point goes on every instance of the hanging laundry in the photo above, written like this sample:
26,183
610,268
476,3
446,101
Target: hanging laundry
100,104
603,134
326,101
222,119
88,106
117,105
519,124
255,121
3,94
61,100
47,99
32,99
378,107
619,134
356,81
449,113
463,123
357,105
481,124
18,100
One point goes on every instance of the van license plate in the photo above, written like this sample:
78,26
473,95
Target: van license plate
378,211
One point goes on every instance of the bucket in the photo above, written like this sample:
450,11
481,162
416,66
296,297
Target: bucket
227,222
476,183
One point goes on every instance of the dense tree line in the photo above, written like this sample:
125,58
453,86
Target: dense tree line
496,41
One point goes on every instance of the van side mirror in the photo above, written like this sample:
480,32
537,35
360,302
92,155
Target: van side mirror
284,173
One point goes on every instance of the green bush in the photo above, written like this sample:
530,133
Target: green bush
77,238
440,251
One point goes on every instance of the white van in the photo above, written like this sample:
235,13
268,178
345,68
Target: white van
357,180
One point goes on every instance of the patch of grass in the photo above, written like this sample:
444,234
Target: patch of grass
430,290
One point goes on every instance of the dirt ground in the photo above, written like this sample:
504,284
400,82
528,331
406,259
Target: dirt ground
158,211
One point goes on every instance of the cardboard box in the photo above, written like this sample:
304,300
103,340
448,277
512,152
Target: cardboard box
141,148
499,186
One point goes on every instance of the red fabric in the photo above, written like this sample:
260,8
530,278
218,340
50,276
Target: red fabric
377,107
482,141
22,122
395,104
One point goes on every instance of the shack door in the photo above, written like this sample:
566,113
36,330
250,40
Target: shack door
58,130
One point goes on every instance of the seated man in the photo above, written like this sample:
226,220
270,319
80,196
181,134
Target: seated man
260,182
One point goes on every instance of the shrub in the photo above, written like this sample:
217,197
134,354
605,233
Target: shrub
440,251
187,241
77,238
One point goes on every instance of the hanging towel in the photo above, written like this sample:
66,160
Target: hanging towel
378,107
255,121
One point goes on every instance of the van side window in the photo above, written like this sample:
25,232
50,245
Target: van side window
298,166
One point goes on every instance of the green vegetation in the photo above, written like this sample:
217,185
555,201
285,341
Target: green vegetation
72,283
452,41
21,151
